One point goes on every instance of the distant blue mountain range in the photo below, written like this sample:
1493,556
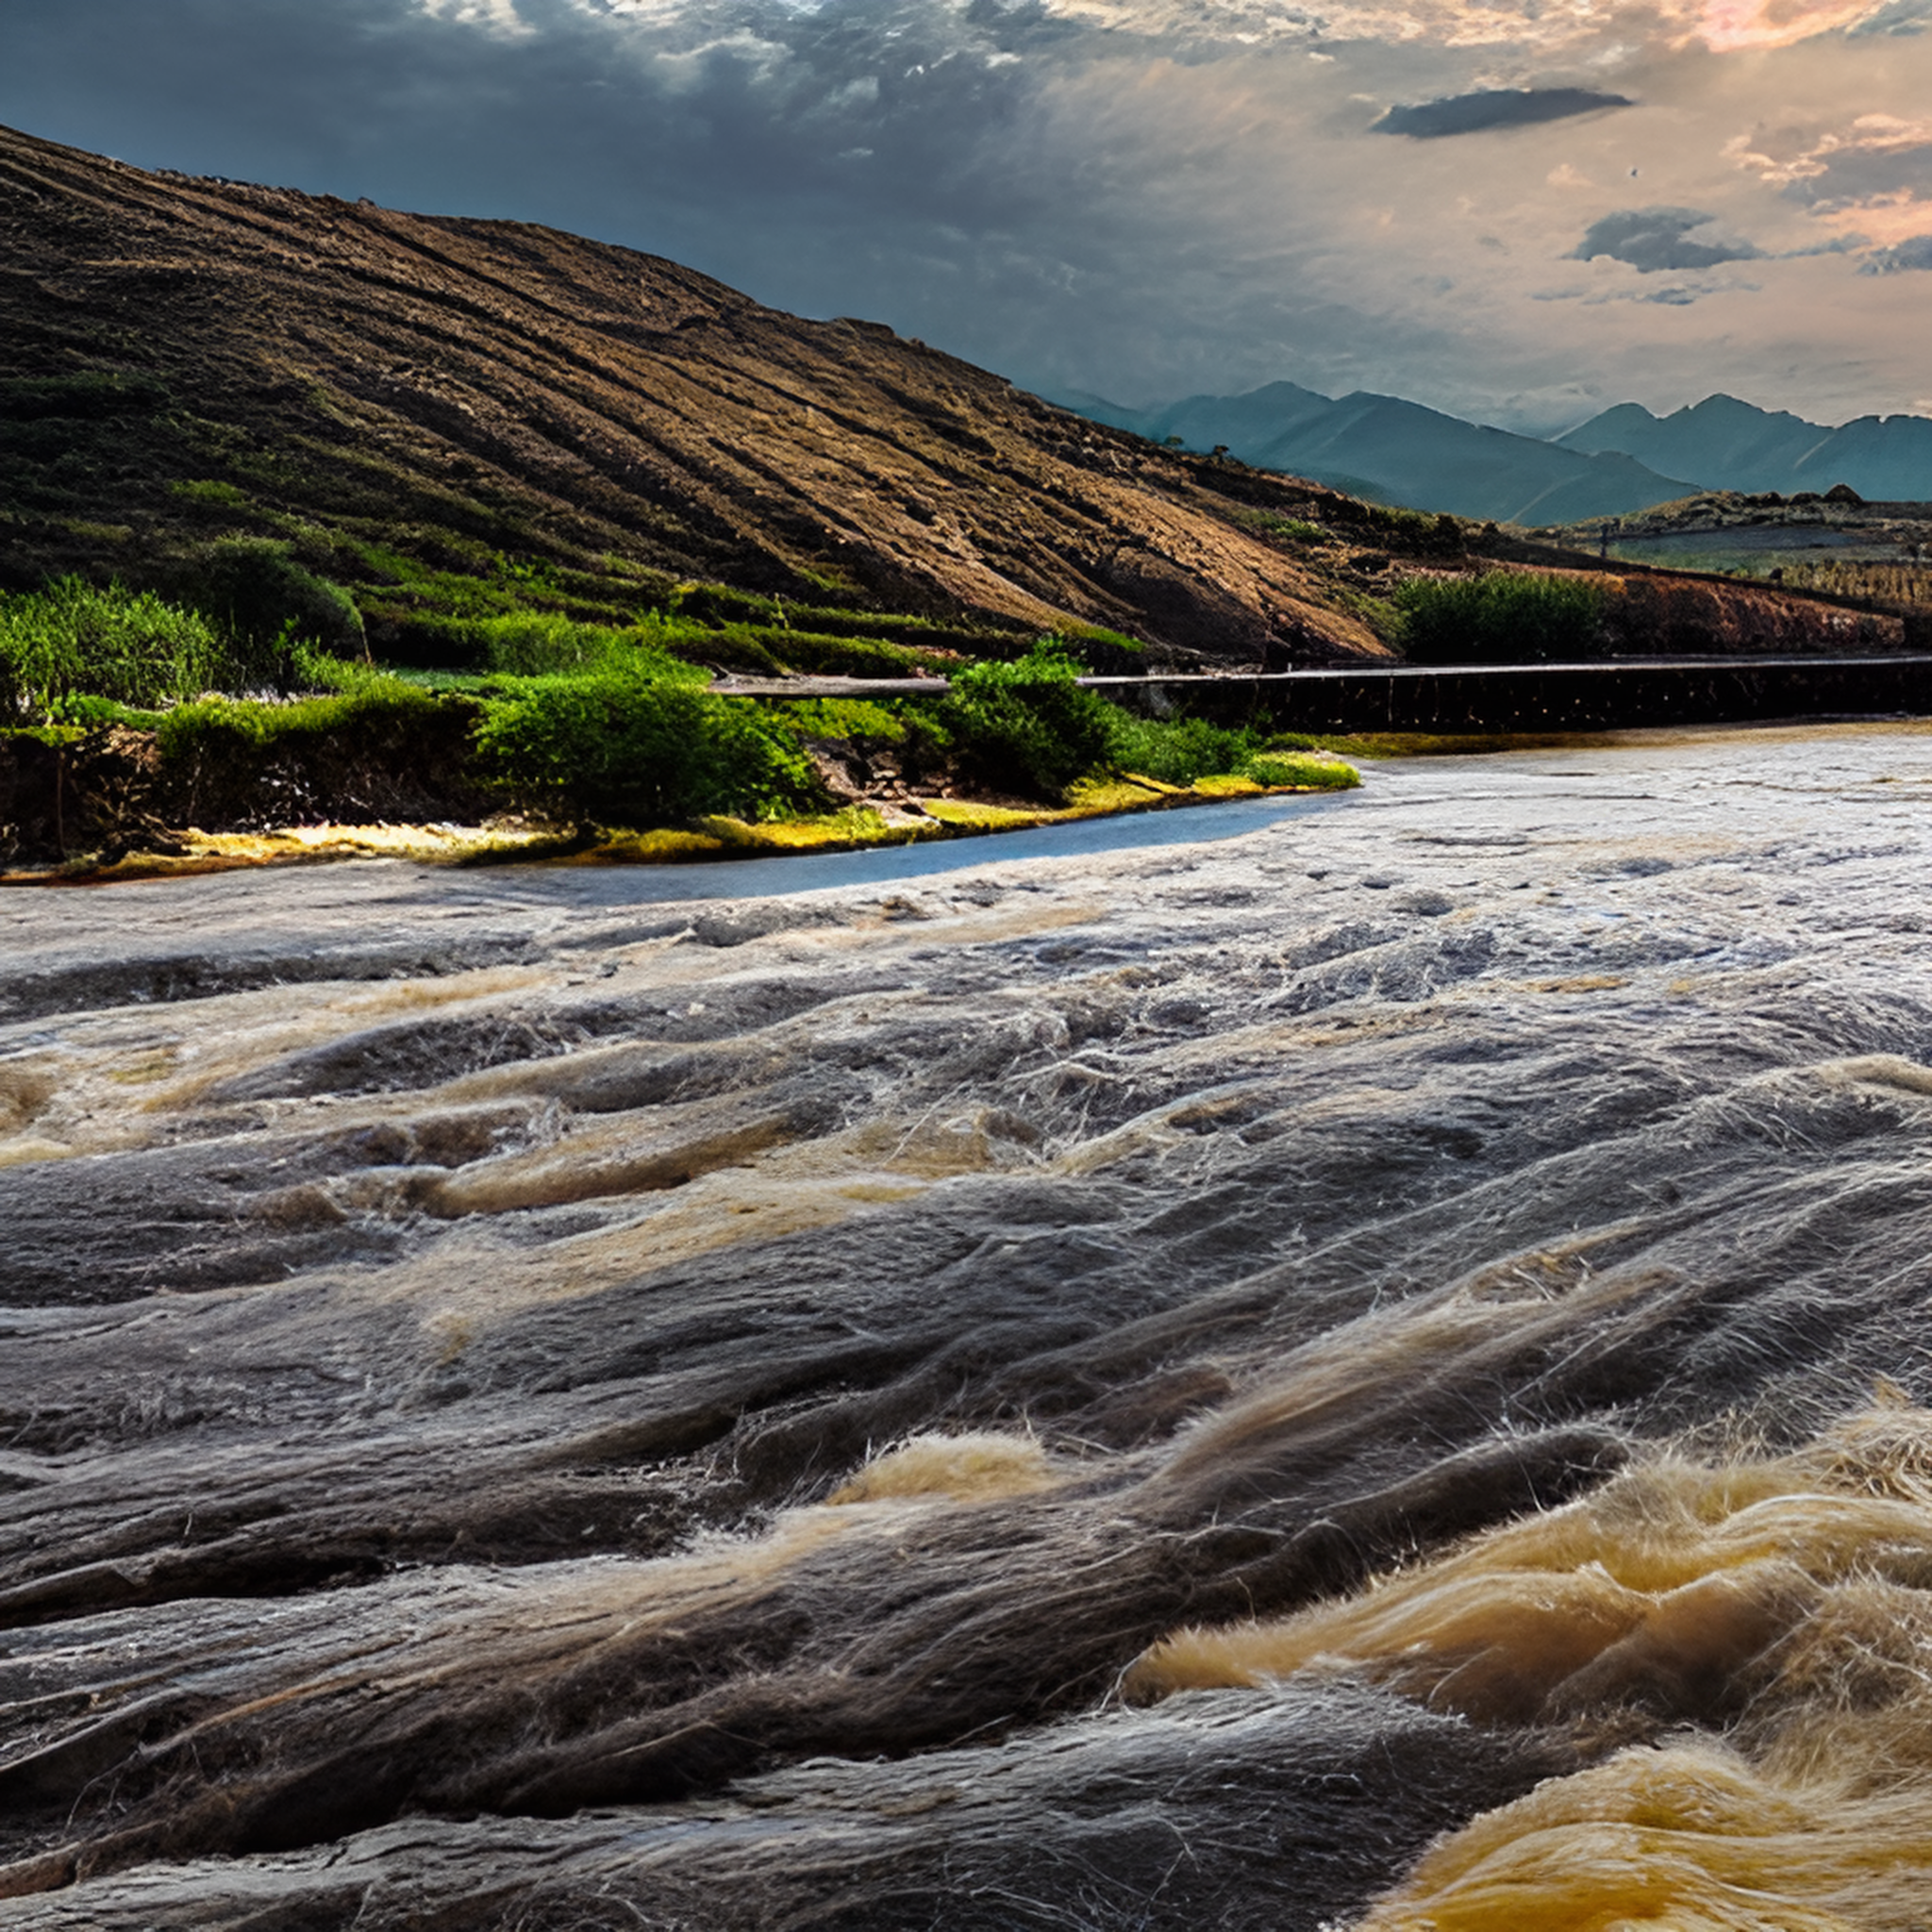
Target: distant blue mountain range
1619,462
1727,444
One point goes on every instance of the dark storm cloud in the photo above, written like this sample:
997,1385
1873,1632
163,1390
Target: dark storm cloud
1494,107
780,148
559,103
1916,252
1651,238
1848,176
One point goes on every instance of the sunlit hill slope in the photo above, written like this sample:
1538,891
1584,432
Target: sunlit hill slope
404,394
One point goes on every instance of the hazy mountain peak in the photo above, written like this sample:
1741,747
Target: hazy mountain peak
1723,442
1407,453
1621,461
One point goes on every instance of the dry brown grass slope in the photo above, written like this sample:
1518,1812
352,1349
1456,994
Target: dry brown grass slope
447,389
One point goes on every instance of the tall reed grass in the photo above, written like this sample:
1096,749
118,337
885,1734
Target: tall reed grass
1499,617
74,639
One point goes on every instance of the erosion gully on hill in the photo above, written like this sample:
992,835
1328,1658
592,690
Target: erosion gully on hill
549,1400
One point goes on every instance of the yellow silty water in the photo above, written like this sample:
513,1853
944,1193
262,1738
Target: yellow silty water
1779,1605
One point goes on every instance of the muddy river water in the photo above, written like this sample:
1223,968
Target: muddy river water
1338,1363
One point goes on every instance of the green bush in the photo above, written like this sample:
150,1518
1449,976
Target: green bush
1027,726
75,638
1181,750
253,590
1500,617
635,750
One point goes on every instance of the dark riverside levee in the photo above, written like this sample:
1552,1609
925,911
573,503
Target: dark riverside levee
1610,694
1363,1362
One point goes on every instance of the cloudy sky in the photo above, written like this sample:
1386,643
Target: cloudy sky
1521,211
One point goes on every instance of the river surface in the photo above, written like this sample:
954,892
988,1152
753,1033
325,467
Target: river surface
1351,1362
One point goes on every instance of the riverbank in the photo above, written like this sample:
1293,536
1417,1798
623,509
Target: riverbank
863,828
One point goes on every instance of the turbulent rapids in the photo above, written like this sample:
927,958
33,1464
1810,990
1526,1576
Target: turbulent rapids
1359,1367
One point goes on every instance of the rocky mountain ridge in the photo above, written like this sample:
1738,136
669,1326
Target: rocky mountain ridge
1728,444
1622,463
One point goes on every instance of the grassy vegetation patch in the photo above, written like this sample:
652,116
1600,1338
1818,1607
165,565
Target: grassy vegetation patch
1027,728
853,829
533,644
1427,744
1319,771
1500,617
243,729
972,815
74,640
773,649
568,722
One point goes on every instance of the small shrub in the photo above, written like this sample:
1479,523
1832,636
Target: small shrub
1178,750
1506,617
1027,726
632,750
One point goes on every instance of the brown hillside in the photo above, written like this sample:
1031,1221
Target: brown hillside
182,358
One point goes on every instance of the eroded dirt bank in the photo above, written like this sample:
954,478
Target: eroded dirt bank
532,1402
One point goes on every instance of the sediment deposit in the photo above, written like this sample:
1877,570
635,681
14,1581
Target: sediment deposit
1340,1373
